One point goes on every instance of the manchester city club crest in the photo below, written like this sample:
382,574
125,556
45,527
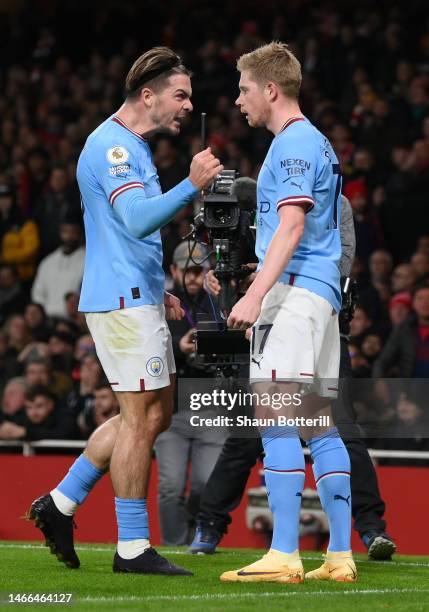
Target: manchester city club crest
155,366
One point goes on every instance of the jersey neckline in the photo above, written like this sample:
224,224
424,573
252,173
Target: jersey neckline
119,121
289,122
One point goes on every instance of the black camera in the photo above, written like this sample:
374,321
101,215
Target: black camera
225,224
349,293
221,210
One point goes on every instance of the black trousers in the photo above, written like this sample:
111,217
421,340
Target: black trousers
225,487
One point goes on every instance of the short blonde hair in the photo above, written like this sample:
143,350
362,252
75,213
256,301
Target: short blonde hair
273,62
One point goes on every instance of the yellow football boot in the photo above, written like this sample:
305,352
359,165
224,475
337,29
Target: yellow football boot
275,566
338,566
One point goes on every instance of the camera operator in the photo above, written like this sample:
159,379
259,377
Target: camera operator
225,487
182,443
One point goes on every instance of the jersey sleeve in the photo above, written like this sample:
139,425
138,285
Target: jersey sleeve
294,166
117,169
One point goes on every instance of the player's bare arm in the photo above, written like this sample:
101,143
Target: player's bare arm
282,246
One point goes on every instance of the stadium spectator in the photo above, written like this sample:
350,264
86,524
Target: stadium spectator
61,348
57,203
403,278
7,361
399,228
360,365
423,241
35,175
104,407
181,444
41,419
65,326
406,353
12,296
38,371
84,346
380,266
37,322
365,169
13,400
73,315
409,429
19,236
61,271
370,348
374,295
368,231
18,334
420,264
344,148
360,324
400,306
171,168
81,398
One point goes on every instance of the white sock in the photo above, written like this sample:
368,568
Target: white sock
63,503
130,549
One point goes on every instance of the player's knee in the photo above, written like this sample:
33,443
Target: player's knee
156,422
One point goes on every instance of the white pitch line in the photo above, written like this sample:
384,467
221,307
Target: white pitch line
253,595
184,552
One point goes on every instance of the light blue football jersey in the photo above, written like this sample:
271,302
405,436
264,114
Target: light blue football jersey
302,168
120,271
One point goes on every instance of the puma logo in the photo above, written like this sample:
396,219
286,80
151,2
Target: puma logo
297,185
346,499
258,363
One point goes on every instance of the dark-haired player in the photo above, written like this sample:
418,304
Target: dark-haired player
125,303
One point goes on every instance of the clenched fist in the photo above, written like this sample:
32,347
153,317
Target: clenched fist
204,167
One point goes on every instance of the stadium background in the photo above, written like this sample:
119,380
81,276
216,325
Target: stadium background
366,86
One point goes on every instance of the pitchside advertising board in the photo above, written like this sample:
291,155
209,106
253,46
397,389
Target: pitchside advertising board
97,522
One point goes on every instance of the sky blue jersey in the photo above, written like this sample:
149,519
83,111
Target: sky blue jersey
301,168
122,270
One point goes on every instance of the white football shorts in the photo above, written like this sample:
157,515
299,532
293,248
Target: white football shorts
134,347
296,339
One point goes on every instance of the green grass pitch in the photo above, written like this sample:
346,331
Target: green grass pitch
402,584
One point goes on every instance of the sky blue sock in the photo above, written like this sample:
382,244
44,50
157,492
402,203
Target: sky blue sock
284,470
133,520
80,479
331,470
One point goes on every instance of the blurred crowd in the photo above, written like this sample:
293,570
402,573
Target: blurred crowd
365,85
